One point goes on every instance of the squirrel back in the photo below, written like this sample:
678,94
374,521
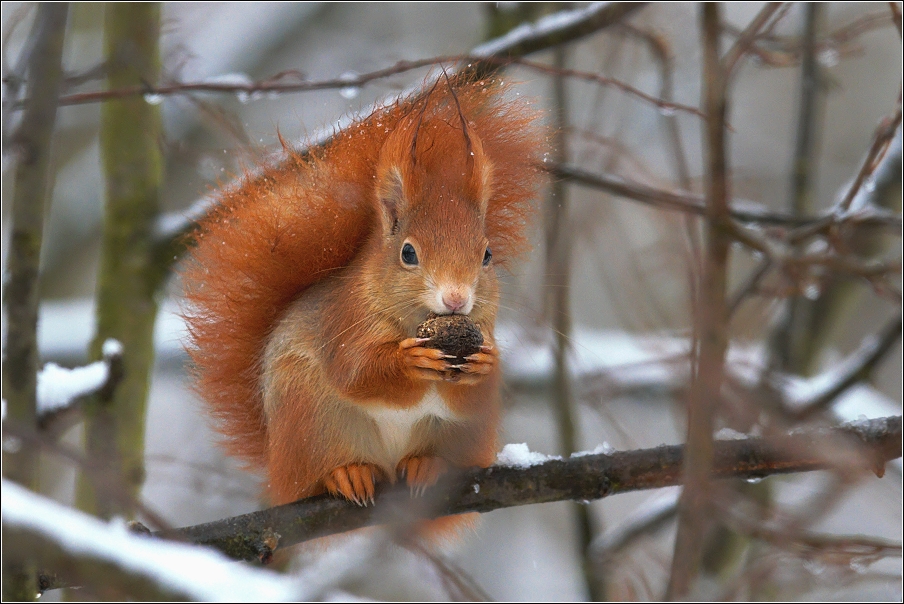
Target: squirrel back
288,226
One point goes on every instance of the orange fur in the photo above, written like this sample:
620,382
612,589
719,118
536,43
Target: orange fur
299,307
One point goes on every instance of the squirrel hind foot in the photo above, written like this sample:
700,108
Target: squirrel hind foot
355,482
421,471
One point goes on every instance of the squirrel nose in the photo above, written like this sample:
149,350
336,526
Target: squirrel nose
454,301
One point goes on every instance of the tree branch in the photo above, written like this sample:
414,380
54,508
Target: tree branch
885,132
786,51
32,183
129,274
711,319
254,536
694,204
560,28
62,409
277,84
747,37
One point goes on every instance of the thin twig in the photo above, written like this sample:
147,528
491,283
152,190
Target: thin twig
694,204
881,140
802,167
561,28
745,40
858,367
660,51
276,85
750,285
645,523
782,51
465,587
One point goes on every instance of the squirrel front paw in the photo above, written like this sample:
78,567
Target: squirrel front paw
355,482
434,364
479,365
424,363
421,471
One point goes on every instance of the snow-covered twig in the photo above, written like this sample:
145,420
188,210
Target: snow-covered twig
857,367
90,552
559,28
60,390
579,478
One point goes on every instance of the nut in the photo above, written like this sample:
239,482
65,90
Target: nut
456,335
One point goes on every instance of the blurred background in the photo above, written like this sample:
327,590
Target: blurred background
613,276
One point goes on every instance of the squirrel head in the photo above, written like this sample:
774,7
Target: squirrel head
434,183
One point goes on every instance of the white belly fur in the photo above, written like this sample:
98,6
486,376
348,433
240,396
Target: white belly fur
395,424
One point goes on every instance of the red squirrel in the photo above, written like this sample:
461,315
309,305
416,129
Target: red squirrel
306,283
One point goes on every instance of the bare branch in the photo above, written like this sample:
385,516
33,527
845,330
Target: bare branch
781,51
710,319
459,585
276,84
753,29
646,522
857,367
554,30
881,141
693,204
750,285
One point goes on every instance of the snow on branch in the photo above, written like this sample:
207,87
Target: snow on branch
59,389
558,28
818,393
88,551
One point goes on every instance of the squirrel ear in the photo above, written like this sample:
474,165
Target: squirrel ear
481,175
485,179
391,195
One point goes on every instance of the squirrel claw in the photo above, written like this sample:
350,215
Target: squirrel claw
424,363
355,482
421,472
412,342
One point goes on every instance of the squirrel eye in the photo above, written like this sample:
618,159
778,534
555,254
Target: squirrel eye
486,256
409,256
